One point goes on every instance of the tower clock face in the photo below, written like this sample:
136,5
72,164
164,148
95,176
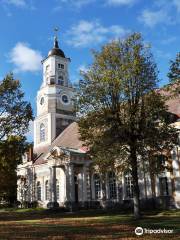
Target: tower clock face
65,99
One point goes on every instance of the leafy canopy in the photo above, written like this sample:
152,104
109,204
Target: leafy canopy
15,113
118,103
123,119
174,74
11,151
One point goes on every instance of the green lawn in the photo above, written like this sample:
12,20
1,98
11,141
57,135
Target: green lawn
93,224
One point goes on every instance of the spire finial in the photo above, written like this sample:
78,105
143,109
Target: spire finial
56,29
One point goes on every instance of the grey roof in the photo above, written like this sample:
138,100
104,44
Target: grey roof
57,52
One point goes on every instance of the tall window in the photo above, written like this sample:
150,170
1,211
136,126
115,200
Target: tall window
160,162
112,185
57,189
47,68
163,186
42,132
61,80
47,193
42,101
38,191
128,185
97,186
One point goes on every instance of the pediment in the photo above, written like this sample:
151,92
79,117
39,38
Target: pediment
58,152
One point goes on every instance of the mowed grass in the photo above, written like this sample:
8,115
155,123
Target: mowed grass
92,224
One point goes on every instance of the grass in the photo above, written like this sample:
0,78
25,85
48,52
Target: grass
52,225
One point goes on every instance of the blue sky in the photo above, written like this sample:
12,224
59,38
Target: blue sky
27,33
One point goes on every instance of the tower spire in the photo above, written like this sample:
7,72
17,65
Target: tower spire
56,51
56,45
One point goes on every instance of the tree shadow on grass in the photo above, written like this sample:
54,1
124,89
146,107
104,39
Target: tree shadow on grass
92,224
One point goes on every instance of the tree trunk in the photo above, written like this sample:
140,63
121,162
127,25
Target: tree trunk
153,189
145,182
135,182
152,178
103,191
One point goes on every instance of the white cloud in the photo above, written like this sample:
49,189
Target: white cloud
17,3
82,68
166,12
87,33
77,4
25,58
152,18
176,3
120,2
72,3
169,40
168,4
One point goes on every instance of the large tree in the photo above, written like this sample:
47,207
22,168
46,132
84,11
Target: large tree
174,73
11,151
15,114
122,117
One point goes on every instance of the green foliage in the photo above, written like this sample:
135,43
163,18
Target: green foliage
15,113
174,73
122,117
118,103
11,151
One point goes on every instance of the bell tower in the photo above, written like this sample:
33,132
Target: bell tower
55,109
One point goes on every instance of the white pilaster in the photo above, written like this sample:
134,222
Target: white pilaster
70,187
54,195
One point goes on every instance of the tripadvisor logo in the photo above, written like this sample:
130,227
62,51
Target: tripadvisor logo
139,231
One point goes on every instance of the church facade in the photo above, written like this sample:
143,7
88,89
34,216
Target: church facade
58,171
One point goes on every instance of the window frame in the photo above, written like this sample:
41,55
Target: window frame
164,189
97,186
42,132
47,190
61,80
38,191
128,184
42,100
112,185
60,66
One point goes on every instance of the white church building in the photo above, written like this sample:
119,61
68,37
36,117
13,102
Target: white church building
58,171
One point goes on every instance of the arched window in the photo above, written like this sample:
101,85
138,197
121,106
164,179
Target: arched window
61,80
57,189
42,132
47,193
42,101
97,186
112,185
38,191
163,182
160,162
128,185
